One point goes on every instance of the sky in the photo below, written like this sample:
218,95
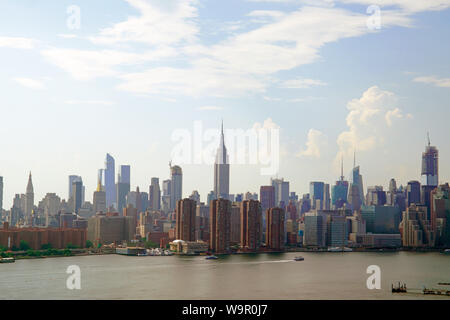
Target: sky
83,78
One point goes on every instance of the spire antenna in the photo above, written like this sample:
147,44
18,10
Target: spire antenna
428,136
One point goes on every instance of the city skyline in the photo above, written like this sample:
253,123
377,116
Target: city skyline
179,192
80,91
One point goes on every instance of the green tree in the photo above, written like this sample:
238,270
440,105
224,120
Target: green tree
89,244
46,246
24,246
150,244
71,246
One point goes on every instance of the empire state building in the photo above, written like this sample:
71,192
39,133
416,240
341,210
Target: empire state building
222,171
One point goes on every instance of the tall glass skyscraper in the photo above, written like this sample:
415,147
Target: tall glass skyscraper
110,184
176,185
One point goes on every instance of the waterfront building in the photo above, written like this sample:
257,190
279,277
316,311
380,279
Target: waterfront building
222,170
440,214
381,219
315,229
220,212
416,229
57,238
185,219
103,229
235,224
275,229
251,225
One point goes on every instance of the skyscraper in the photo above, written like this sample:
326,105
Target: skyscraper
219,230
275,228
77,195
123,186
267,197
110,184
29,199
155,194
72,179
185,219
316,191
176,185
281,189
413,193
99,200
356,191
251,222
222,170
339,192
430,166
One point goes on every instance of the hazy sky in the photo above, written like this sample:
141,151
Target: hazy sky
128,74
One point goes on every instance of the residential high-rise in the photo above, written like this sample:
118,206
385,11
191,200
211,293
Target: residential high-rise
222,170
51,204
110,184
155,194
185,219
176,185
29,200
219,221
165,199
251,224
275,228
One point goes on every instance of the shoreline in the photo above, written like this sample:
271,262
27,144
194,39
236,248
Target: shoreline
22,256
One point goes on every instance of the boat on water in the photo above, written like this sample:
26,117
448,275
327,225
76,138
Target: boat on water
447,251
7,260
299,258
211,258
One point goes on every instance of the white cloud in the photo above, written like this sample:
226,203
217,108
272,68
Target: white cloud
302,83
316,142
30,83
90,102
17,42
411,6
391,114
160,23
367,121
438,82
210,108
91,64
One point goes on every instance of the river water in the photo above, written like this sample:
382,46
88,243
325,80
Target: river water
264,276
